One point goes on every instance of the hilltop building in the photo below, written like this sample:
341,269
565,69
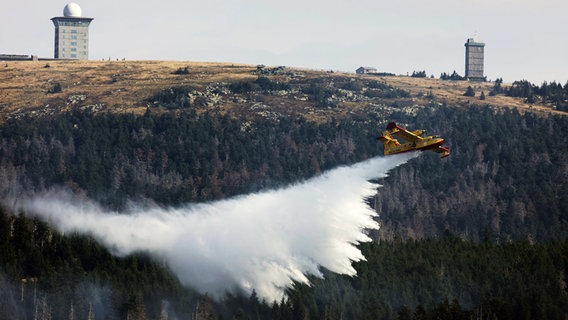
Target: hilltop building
474,52
364,70
71,34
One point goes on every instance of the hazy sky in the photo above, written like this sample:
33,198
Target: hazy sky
524,39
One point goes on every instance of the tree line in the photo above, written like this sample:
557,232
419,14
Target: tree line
173,158
45,274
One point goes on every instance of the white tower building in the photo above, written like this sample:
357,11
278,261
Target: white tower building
71,34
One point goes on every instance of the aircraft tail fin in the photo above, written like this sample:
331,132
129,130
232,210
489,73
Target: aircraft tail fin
388,142
444,151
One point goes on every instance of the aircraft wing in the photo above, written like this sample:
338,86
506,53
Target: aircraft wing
400,132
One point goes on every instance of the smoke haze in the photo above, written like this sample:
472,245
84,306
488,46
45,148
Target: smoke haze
263,241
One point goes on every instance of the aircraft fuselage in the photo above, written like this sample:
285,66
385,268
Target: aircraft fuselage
426,144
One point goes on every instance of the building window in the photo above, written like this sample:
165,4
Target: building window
73,31
73,43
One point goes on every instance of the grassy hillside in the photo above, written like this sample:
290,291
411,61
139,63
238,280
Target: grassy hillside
45,88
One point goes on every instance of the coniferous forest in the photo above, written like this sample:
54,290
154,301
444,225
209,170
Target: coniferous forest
481,234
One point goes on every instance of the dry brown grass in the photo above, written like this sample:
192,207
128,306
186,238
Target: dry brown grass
451,92
120,85
125,86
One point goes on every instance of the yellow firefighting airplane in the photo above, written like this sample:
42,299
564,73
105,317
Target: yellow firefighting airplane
413,141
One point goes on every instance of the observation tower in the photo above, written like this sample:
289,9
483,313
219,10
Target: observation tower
474,55
71,34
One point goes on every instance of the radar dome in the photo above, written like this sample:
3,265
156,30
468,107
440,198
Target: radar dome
72,10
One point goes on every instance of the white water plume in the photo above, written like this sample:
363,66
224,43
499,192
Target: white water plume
262,241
